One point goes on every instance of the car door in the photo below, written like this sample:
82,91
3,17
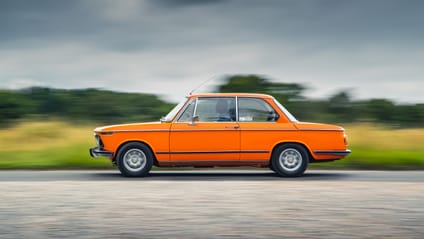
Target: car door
206,131
260,129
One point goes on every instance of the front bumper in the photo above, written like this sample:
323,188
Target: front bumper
97,152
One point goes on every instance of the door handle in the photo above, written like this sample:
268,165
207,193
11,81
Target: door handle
232,127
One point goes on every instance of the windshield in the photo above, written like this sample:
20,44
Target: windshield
286,112
170,116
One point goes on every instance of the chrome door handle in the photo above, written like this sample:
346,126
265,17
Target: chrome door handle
232,127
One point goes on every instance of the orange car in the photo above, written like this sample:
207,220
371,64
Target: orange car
222,130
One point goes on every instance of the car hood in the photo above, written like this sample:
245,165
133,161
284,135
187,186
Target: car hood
133,127
317,126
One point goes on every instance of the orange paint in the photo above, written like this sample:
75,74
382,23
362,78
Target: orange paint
240,141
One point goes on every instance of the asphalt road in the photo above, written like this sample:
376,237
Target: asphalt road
212,204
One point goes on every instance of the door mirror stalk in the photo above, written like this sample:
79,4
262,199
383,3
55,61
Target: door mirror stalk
193,121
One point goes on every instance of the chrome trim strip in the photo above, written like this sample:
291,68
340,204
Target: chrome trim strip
195,107
336,130
97,152
206,130
178,114
252,129
135,130
333,152
241,128
191,162
237,110
259,122
254,151
225,129
216,152
190,130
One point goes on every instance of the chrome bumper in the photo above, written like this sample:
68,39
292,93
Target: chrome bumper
342,153
97,152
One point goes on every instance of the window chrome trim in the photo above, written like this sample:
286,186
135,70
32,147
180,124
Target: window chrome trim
237,109
195,107
286,113
263,101
182,110
176,115
211,97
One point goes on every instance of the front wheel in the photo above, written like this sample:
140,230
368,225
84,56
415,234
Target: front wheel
134,159
290,160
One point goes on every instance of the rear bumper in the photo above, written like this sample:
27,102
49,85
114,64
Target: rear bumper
97,152
342,153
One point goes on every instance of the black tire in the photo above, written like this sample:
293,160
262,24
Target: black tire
290,160
134,160
271,167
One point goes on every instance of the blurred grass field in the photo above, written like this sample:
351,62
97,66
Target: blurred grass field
59,145
382,147
48,145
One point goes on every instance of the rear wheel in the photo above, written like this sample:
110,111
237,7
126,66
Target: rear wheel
290,160
135,159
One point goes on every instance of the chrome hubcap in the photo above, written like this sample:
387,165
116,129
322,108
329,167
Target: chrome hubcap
290,159
134,160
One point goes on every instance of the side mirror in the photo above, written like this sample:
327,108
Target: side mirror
193,121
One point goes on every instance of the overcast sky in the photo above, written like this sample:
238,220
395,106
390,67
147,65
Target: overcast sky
373,47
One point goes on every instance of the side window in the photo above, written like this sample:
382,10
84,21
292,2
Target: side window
216,109
256,110
188,112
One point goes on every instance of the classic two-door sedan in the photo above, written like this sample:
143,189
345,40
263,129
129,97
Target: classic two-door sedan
222,129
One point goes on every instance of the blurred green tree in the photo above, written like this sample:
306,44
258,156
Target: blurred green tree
340,107
285,92
117,107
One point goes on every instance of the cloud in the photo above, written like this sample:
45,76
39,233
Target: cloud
169,47
184,3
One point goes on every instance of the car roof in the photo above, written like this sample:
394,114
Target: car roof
230,94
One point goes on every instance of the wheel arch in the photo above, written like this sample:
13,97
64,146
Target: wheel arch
308,150
155,162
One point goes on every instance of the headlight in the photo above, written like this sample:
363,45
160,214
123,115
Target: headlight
99,141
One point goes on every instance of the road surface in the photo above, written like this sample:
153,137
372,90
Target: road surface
212,204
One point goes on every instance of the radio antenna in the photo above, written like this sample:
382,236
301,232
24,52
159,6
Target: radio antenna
202,84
